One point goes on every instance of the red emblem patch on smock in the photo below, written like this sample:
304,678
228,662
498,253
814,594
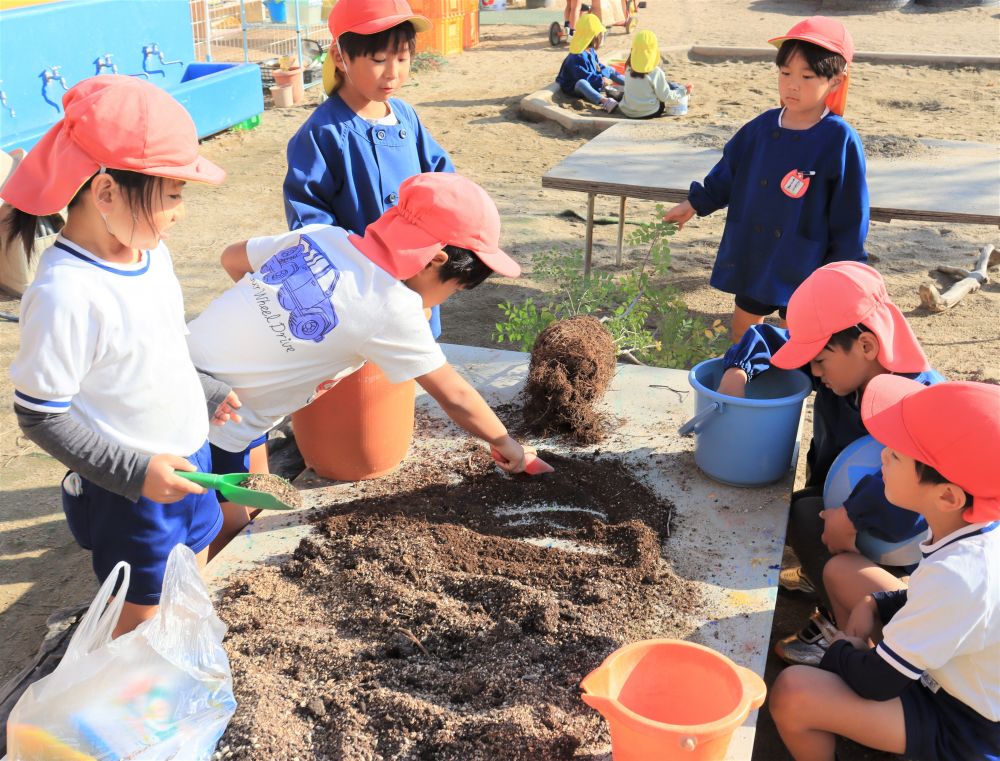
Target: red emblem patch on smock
795,183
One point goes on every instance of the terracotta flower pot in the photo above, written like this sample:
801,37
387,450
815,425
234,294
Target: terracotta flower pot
361,428
294,78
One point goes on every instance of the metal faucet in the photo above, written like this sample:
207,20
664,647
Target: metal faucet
53,73
154,49
3,102
104,62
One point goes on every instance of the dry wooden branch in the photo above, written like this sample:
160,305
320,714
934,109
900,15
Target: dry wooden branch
969,282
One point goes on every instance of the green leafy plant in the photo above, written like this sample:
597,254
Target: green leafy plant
647,317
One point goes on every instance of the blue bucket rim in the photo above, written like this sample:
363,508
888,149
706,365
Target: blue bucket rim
781,401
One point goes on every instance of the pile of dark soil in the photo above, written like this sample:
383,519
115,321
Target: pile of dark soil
449,613
572,364
276,486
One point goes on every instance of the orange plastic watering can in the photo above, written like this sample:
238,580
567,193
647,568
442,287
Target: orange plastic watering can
667,700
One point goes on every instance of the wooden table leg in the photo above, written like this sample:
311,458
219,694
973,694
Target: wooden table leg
621,229
589,244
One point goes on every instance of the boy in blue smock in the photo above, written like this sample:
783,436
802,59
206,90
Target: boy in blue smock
793,179
581,74
844,331
346,163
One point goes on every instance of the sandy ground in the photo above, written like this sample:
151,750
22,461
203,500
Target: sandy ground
470,105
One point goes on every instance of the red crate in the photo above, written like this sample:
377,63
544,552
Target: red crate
470,29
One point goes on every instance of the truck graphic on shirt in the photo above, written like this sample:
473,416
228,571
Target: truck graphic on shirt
306,279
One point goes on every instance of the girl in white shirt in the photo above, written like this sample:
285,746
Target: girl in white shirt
647,92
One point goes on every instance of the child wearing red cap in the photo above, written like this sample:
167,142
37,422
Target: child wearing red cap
103,381
346,162
313,305
793,179
844,331
930,687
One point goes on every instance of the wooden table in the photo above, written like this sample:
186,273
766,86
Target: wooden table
953,182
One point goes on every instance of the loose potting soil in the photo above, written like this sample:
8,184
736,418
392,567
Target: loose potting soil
572,364
276,486
449,612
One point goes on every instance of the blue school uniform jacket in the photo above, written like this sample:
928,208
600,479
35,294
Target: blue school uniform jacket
344,171
585,65
772,240
836,423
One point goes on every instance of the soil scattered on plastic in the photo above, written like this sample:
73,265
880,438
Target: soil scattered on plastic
276,486
572,364
450,612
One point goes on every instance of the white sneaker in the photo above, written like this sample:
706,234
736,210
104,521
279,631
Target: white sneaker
609,104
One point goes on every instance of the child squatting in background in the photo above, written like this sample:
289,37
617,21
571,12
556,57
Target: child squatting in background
793,179
103,381
915,668
844,331
647,91
366,297
582,75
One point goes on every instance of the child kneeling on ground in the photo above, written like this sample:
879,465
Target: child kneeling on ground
647,91
930,687
844,331
582,75
312,306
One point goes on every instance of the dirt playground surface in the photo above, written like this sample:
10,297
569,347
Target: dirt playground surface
450,613
470,106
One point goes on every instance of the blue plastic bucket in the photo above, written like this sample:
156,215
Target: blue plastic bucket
277,11
749,441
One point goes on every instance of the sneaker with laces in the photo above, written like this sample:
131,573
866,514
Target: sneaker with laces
794,580
609,104
808,645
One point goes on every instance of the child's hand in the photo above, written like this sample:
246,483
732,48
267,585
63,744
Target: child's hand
839,534
734,382
163,485
863,619
856,642
226,411
680,214
511,454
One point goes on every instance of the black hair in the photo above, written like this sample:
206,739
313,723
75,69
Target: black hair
928,475
464,266
139,190
845,339
392,39
824,63
633,72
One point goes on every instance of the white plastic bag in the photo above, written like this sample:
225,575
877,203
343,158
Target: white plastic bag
163,691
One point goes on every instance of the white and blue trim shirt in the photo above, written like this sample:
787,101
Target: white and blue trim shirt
948,632
106,343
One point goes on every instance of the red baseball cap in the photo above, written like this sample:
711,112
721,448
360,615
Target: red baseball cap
830,35
836,297
373,16
953,427
435,209
110,122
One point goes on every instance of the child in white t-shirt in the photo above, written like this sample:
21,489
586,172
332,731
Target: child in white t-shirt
103,381
647,91
313,305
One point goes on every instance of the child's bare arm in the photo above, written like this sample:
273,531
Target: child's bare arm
464,405
235,261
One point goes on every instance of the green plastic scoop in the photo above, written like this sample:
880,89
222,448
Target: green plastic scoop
229,486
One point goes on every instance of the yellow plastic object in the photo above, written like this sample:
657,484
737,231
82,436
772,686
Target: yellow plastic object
671,700
30,743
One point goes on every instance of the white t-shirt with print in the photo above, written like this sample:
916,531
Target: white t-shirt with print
313,310
106,343
948,632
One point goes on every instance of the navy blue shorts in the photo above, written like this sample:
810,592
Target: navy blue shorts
940,727
141,533
758,308
224,461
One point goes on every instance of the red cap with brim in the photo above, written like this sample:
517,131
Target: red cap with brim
435,209
114,122
841,295
952,427
373,16
830,35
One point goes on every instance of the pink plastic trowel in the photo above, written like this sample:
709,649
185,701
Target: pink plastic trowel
533,464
